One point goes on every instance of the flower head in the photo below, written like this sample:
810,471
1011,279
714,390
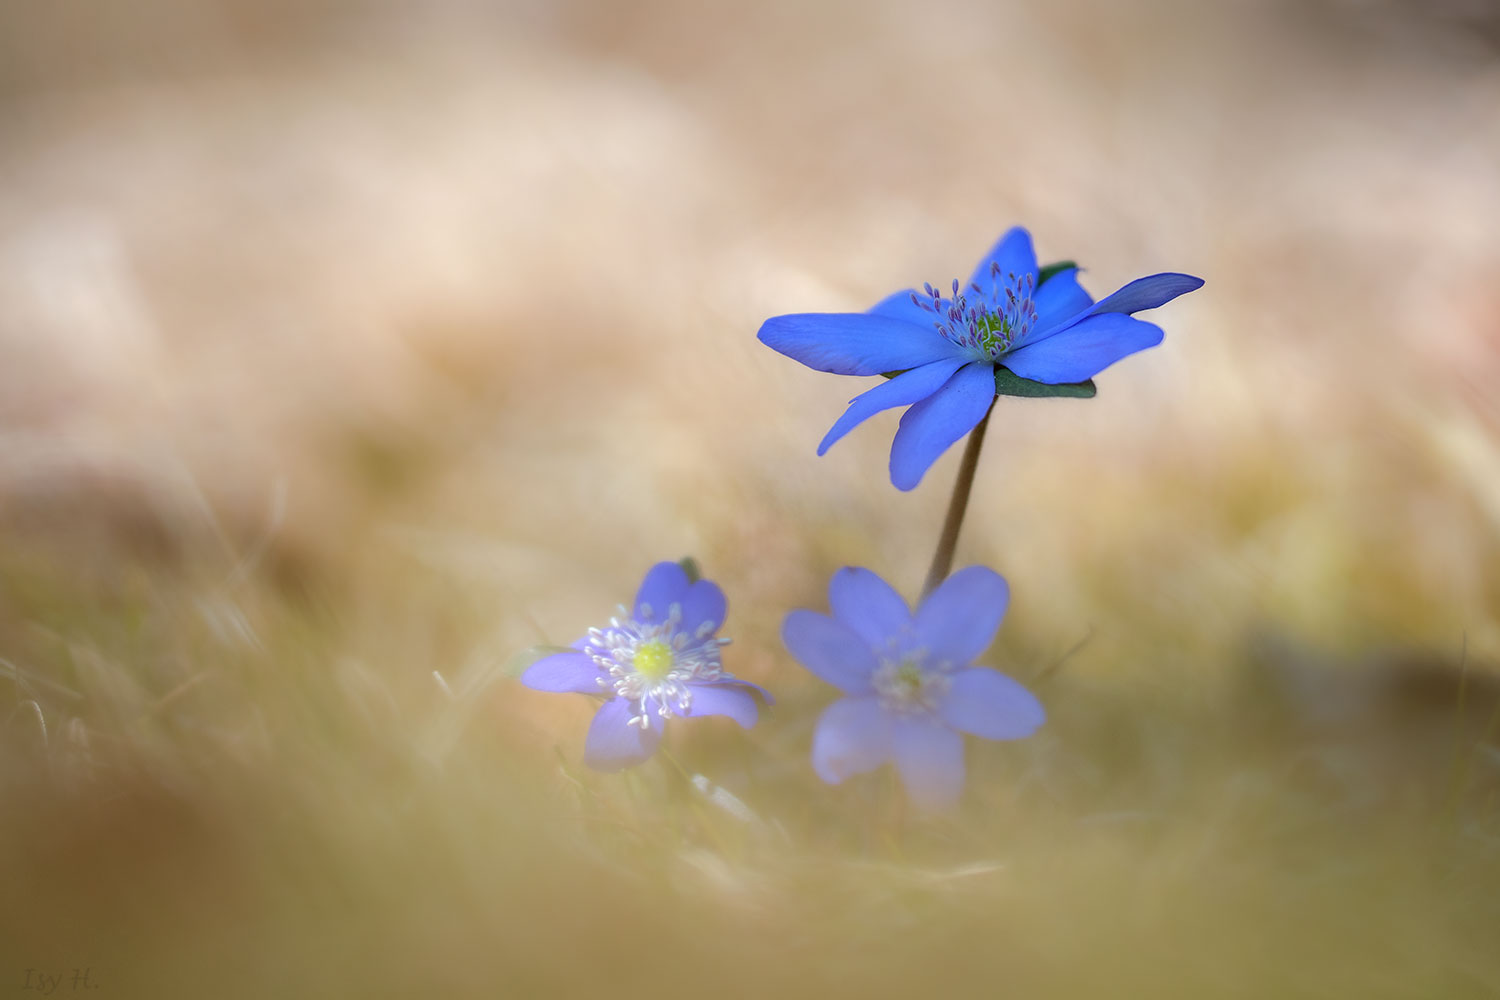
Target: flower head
1011,325
656,661
911,686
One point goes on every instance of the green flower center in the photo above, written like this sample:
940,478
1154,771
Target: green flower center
906,685
994,331
907,680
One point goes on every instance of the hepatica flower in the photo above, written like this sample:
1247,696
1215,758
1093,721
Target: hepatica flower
656,661
910,684
1012,329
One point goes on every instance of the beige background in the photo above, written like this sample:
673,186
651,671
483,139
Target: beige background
343,343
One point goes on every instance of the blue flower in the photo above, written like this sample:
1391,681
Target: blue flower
911,687
948,349
656,661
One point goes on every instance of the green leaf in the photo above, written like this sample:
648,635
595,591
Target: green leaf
1053,269
1008,383
690,567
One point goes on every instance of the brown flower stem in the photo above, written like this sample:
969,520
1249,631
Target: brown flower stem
942,559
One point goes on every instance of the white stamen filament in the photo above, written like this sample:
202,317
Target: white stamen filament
693,658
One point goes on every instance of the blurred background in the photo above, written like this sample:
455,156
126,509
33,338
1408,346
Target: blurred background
347,350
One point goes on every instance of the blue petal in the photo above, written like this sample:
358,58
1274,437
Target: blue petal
1082,350
1013,254
959,619
830,650
665,585
855,343
987,703
702,602
750,686
900,306
867,605
1147,293
853,736
931,426
1059,300
909,387
613,743
724,699
930,757
570,672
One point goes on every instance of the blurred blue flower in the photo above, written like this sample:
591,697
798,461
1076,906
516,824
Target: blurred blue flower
657,660
911,688
947,349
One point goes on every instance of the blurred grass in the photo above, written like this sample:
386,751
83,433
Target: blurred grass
342,347
293,804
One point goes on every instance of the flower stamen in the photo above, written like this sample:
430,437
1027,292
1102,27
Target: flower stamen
651,664
907,686
990,326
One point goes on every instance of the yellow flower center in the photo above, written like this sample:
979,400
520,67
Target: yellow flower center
653,660
908,679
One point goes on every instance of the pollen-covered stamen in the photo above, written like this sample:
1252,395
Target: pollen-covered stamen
909,686
986,326
651,664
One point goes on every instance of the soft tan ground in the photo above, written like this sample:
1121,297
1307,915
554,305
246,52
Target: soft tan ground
341,344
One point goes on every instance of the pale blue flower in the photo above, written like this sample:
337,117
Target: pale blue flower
911,684
658,660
